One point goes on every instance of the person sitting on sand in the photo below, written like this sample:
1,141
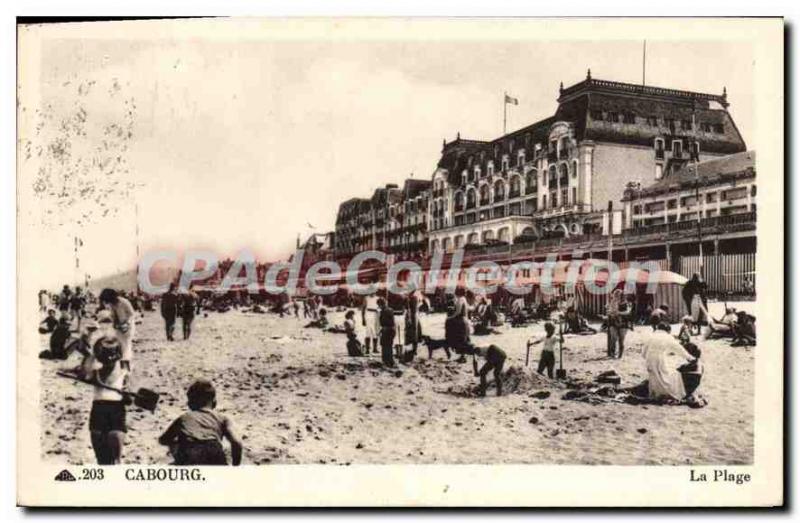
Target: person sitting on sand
321,322
575,323
495,359
744,330
664,381
58,340
723,327
48,324
354,347
195,437
547,359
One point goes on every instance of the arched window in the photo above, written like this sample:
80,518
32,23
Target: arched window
434,245
503,234
552,176
458,201
472,238
575,169
514,189
485,199
470,198
530,182
459,241
488,235
563,172
499,190
445,244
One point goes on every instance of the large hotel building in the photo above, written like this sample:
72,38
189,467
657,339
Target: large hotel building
615,157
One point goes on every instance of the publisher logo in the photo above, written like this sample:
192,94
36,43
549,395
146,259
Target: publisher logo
65,475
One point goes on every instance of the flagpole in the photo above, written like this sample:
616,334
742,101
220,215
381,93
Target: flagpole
644,56
505,105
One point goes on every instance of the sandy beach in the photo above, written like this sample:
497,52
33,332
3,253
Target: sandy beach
296,397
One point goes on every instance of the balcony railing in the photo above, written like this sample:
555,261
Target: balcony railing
531,189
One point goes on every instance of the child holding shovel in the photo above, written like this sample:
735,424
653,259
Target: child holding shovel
107,418
547,360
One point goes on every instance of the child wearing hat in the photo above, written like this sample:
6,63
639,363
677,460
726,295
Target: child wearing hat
107,418
195,438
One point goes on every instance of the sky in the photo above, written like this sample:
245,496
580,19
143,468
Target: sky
245,142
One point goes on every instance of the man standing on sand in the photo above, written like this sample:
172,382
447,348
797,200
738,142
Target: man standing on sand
169,310
188,305
369,319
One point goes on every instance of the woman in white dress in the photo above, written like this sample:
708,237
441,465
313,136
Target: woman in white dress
664,380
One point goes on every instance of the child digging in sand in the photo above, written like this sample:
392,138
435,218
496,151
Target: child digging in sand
195,438
495,359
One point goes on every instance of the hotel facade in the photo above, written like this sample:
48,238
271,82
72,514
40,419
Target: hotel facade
601,164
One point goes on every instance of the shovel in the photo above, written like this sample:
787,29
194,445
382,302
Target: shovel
143,398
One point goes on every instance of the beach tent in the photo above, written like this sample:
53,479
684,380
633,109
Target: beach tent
656,287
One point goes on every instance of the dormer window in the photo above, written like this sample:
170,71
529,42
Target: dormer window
652,121
505,163
719,128
612,117
521,159
629,118
477,172
686,125
596,114
490,169
706,127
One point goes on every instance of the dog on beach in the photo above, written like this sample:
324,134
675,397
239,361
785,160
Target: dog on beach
434,345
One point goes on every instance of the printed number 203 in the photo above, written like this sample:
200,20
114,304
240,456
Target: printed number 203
92,474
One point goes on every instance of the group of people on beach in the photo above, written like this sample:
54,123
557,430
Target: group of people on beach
104,339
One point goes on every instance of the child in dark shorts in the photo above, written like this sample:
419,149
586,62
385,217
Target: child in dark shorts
495,359
195,438
107,419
